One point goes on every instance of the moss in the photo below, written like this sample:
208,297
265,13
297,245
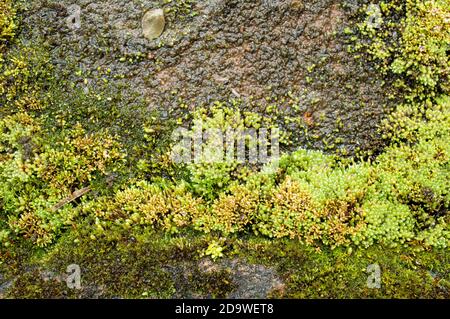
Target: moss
340,273
33,285
409,45
399,199
214,284
348,210
8,24
43,175
179,9
161,268
168,267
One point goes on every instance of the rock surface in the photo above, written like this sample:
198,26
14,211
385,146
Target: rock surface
265,53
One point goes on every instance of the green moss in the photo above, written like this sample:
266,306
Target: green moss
162,268
340,273
410,44
319,207
179,9
400,199
169,267
25,71
8,25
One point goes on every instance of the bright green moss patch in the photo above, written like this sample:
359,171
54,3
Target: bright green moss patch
36,176
401,198
410,40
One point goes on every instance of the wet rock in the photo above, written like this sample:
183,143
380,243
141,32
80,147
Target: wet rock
153,24
264,53
251,281
5,285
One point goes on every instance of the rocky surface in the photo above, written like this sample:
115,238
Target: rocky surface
245,280
260,51
253,281
227,278
4,285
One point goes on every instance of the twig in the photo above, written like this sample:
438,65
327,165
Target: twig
71,198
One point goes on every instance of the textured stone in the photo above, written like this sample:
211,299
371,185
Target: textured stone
296,48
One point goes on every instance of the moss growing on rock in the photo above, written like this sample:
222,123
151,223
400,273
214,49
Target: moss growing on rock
147,220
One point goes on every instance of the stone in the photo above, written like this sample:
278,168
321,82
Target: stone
153,24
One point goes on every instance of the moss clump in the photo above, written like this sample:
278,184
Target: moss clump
24,69
410,41
8,25
35,176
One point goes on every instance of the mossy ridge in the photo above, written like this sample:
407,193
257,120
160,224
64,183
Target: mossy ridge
401,198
